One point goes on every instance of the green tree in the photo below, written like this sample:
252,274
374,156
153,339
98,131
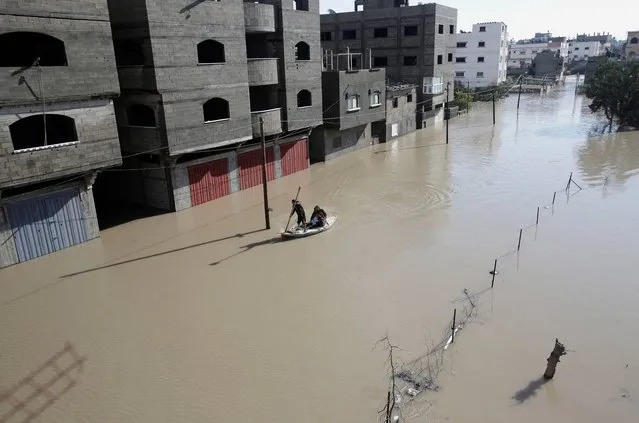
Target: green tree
614,89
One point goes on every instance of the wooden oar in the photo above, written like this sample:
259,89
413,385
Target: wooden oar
291,215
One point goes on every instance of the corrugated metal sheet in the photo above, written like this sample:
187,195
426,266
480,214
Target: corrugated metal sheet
294,156
209,181
250,164
43,225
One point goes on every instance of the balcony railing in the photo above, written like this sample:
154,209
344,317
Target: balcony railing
259,17
272,122
262,72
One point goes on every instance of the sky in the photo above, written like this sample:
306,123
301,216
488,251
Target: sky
562,18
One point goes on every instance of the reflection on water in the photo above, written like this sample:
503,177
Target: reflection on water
198,316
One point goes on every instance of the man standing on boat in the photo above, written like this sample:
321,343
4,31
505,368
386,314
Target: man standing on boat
301,215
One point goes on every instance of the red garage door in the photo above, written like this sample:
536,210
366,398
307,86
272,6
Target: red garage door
250,164
209,181
294,156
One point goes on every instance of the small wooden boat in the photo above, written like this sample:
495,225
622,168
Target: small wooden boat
297,232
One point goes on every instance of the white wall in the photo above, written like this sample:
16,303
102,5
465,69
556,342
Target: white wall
580,50
494,53
518,53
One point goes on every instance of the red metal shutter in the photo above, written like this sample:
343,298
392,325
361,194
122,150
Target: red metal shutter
209,181
294,156
250,164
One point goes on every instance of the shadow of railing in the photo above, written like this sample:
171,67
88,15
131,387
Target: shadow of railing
41,389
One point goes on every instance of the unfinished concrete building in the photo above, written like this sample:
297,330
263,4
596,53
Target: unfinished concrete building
401,100
197,79
415,44
57,124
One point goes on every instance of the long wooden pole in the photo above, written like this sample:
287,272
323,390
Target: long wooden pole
267,217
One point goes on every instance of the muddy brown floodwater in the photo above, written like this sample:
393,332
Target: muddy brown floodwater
200,316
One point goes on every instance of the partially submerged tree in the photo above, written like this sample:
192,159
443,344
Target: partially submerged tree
553,359
614,89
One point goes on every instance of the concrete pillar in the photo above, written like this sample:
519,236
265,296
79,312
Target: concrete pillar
181,188
234,173
89,213
277,156
8,252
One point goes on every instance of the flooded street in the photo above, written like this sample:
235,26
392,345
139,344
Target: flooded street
200,316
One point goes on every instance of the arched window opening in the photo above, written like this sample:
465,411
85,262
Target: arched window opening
216,109
634,40
302,51
28,132
304,99
20,49
140,115
300,5
210,51
129,53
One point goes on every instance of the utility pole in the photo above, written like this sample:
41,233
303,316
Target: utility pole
521,80
44,116
267,217
447,109
493,107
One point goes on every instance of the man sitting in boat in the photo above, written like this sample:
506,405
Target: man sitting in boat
318,218
301,215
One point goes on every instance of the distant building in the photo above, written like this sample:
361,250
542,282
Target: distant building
481,55
604,39
632,45
416,44
522,55
401,102
547,64
355,110
582,50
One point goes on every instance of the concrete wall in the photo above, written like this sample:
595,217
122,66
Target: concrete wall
403,115
328,143
97,144
84,28
492,70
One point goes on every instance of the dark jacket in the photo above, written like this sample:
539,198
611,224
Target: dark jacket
297,208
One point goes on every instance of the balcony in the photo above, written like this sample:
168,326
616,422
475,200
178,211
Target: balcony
262,72
272,122
259,17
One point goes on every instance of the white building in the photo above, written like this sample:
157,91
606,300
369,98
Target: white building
521,55
582,50
481,55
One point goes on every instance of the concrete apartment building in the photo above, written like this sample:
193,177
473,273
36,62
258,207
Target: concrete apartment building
522,53
415,44
401,106
355,102
582,50
197,79
58,80
632,45
481,55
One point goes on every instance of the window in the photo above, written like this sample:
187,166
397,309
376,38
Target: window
24,48
460,60
375,99
349,34
140,115
395,103
409,98
576,48
451,29
441,29
337,142
326,36
216,109
410,60
379,61
480,74
569,51
433,85
481,44
482,29
210,51
128,53
450,57
302,51
440,59
410,31
28,132
522,52
634,40
480,59
461,44
380,32
459,74
304,99
300,5
352,103
587,48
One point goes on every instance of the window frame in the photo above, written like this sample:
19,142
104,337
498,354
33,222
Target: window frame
357,103
435,85
372,103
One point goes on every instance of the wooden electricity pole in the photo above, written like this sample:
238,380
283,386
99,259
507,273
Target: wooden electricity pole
267,217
